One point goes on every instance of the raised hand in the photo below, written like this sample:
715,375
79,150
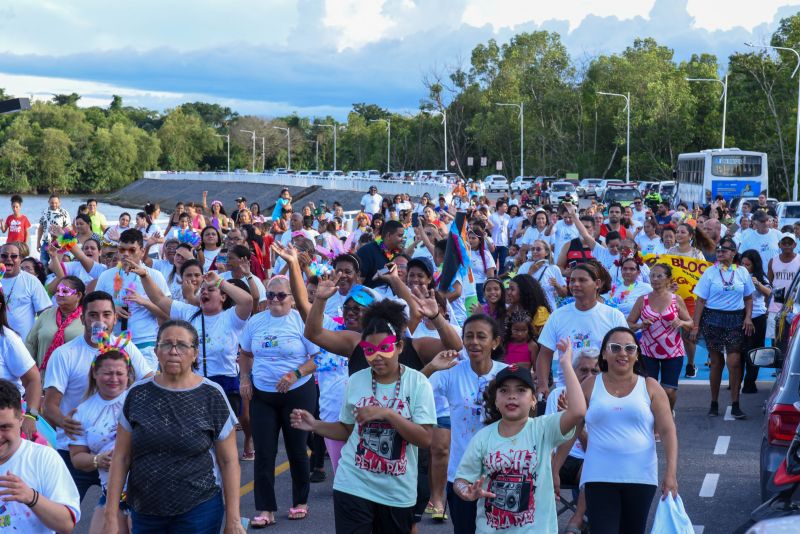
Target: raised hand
425,300
444,360
328,287
287,254
564,347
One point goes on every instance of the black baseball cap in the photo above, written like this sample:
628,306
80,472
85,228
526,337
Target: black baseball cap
241,199
515,371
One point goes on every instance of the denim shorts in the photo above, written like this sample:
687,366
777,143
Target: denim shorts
668,368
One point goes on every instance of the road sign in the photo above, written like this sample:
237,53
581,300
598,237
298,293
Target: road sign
499,165
470,161
484,162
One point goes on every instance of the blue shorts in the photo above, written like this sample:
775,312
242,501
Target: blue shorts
669,369
443,422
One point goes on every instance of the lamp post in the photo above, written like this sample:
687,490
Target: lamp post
521,107
797,124
263,154
253,137
388,140
724,99
334,127
627,135
288,146
228,139
443,113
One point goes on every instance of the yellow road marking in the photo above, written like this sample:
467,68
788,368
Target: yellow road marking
282,468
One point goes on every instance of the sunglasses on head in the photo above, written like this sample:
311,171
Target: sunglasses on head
271,295
385,348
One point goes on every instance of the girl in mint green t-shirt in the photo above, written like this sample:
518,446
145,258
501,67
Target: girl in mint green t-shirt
387,413
515,450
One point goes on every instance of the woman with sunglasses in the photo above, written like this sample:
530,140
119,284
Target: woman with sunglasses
276,365
387,415
724,317
620,468
659,316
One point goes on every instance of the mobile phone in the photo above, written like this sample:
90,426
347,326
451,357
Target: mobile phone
382,272
415,219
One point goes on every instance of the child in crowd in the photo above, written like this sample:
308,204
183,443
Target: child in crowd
521,349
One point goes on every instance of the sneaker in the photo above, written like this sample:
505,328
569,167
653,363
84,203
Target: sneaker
737,412
317,476
691,371
714,410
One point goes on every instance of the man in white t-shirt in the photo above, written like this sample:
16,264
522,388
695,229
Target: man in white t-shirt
39,496
67,377
499,221
25,295
763,239
139,315
639,213
371,202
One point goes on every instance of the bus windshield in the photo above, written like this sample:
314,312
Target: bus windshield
730,166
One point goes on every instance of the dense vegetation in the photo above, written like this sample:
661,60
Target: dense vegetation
58,146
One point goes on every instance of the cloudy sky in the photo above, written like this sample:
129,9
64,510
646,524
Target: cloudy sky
318,57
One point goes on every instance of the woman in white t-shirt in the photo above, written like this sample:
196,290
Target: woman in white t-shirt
91,450
648,240
723,315
624,293
210,245
276,367
482,262
542,269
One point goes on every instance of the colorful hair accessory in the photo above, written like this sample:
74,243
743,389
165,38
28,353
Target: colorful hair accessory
362,295
2,270
108,342
320,268
66,242
188,236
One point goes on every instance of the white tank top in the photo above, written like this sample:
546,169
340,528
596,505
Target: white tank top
621,446
783,276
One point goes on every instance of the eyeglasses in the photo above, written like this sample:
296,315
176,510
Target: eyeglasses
129,250
629,348
181,348
537,249
9,256
727,249
271,295
65,291
351,309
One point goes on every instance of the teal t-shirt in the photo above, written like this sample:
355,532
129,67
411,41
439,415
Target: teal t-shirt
377,464
518,471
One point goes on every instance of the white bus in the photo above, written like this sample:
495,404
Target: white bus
729,172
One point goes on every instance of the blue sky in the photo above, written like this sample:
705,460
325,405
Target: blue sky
317,57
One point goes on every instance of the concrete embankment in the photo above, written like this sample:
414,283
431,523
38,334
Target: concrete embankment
169,192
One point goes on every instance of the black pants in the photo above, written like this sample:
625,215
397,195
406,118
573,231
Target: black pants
269,415
753,342
618,508
355,515
316,442
462,513
83,479
423,486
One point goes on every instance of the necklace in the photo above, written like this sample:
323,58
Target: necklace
389,254
396,386
728,282
8,298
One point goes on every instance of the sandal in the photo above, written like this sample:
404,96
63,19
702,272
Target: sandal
296,514
262,521
439,515
429,509
248,456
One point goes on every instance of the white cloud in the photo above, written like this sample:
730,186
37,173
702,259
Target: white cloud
727,14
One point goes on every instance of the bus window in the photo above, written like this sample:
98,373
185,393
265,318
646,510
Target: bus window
736,166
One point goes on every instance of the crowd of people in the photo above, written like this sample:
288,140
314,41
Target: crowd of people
461,359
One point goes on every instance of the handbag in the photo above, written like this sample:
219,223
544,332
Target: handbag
671,517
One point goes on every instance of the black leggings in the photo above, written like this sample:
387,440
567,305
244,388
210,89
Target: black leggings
269,415
618,508
316,442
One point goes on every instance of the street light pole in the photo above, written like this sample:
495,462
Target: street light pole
724,99
334,127
228,139
521,107
288,146
443,113
388,140
797,124
263,154
627,135
253,136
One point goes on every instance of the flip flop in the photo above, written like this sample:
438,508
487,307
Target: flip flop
248,456
429,509
262,521
296,514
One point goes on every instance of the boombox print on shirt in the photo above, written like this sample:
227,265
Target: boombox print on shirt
380,447
512,478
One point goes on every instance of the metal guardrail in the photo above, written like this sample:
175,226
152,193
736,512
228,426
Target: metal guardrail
346,183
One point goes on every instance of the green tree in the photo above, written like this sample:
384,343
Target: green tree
185,140
54,166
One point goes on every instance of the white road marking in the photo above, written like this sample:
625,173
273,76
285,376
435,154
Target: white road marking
722,445
698,529
709,487
728,416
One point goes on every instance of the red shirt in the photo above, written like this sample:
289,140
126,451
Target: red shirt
604,230
17,228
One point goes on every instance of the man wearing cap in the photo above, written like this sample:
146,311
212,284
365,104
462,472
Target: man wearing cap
763,239
241,204
371,202
780,271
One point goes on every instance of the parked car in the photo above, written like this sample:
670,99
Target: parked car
562,192
522,183
644,186
600,188
622,193
788,212
496,182
737,203
586,188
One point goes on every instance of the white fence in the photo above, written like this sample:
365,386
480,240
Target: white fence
385,187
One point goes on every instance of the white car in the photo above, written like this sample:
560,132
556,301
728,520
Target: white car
562,191
788,213
496,182
587,187
522,183
600,188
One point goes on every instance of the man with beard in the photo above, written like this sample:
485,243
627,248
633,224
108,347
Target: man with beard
614,222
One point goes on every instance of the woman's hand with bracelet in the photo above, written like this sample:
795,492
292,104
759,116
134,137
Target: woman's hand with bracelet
287,381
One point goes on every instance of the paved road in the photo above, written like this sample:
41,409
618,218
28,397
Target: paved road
727,479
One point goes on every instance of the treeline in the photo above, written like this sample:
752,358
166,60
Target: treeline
568,127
